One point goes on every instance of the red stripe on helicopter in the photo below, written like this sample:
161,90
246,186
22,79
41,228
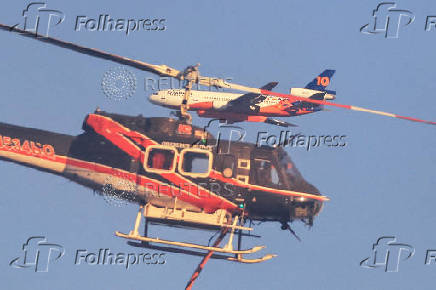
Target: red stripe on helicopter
349,107
116,133
219,176
208,202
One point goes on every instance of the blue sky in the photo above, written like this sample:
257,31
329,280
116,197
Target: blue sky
382,183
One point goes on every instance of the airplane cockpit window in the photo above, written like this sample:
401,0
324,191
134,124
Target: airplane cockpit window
195,162
265,173
160,159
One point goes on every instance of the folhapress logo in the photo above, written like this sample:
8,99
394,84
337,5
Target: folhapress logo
388,20
223,132
105,22
38,254
39,19
388,254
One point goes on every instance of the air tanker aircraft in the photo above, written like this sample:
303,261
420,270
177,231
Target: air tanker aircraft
251,107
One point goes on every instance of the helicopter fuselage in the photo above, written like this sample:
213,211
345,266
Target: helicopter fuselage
161,161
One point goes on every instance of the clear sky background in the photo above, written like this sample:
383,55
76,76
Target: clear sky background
381,183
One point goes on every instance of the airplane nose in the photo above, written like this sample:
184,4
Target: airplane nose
154,98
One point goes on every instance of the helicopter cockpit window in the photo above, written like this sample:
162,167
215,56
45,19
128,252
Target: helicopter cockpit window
289,167
160,159
265,173
195,162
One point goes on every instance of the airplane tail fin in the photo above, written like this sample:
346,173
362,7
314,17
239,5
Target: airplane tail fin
321,82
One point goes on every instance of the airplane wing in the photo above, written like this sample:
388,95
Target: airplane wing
164,70
244,102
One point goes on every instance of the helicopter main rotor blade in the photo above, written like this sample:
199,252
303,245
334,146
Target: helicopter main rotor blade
161,70
164,70
221,83
293,98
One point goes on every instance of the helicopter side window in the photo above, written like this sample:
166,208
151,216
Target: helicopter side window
265,173
160,159
195,162
274,176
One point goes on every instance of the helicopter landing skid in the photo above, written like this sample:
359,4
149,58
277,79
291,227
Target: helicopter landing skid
240,259
227,249
188,245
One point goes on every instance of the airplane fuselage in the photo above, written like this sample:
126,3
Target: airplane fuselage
219,102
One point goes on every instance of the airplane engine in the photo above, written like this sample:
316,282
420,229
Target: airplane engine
201,106
307,93
219,104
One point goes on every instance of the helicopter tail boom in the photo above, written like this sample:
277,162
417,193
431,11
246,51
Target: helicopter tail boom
33,147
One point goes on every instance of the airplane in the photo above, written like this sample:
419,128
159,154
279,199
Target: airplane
299,101
251,107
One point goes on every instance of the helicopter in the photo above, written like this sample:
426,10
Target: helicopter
179,174
313,98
